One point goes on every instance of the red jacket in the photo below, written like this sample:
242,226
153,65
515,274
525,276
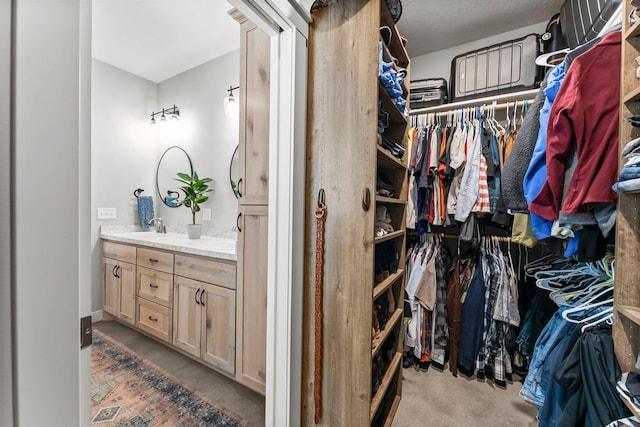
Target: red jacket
585,113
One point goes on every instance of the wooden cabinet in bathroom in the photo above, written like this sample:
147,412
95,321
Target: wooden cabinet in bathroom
119,277
186,301
205,311
253,205
154,287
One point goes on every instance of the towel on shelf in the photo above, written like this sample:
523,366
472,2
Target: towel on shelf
145,210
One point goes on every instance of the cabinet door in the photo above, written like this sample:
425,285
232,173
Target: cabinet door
127,273
251,359
110,287
254,115
218,328
187,315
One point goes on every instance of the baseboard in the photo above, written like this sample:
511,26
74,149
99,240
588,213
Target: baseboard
96,316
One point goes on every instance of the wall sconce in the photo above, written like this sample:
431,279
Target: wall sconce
231,106
167,113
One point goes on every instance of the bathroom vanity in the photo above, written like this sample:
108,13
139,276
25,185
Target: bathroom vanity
179,291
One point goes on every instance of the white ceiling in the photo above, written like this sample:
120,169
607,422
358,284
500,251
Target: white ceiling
157,39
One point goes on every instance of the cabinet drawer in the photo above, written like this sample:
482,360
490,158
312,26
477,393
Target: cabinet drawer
206,270
154,319
158,260
119,251
155,286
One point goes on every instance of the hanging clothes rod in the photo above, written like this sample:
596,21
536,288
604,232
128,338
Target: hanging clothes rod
508,97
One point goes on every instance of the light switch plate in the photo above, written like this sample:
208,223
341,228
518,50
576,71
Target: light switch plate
107,213
206,214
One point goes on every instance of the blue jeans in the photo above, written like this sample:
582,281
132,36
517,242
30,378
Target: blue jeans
628,185
533,389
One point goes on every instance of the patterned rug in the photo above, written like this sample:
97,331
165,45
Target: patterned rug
128,391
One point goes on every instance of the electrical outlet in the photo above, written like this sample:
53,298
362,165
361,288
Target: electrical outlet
206,214
107,213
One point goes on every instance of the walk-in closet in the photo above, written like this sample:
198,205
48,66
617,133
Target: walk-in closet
471,215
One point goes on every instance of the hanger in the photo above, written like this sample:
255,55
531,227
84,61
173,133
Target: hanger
606,315
583,310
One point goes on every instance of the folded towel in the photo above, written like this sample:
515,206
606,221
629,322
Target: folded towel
145,210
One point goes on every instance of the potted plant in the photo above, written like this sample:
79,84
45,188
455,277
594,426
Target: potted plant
194,190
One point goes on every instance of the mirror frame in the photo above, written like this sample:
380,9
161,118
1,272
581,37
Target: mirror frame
234,184
178,203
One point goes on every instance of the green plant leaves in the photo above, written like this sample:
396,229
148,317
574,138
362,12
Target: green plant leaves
194,188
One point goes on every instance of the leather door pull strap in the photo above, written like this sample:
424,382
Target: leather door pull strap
321,216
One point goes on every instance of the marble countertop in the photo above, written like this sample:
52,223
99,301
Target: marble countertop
207,245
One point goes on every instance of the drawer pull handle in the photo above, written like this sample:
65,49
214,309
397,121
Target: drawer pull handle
153,260
238,222
202,298
117,271
151,285
199,290
153,319
238,188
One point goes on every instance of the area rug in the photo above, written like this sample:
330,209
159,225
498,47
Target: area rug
129,391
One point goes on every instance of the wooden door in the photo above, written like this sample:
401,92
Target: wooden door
251,331
218,327
187,315
111,287
127,273
254,115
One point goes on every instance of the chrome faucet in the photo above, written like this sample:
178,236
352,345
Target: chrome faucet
159,225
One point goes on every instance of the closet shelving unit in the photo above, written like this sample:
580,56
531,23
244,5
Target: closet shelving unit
626,326
344,158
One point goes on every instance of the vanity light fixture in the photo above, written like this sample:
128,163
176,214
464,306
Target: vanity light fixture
231,106
171,113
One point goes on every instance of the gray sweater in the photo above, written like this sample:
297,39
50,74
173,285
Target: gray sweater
518,161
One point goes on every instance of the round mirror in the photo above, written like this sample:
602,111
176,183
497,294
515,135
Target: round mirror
172,161
234,171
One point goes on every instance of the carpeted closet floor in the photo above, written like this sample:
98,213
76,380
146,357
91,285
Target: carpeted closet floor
435,398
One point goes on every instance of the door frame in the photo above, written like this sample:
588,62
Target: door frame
287,23
35,92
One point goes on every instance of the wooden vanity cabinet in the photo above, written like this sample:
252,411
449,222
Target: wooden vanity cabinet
154,286
187,301
119,278
205,312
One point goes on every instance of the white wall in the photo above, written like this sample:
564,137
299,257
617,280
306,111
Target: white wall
205,133
6,410
438,64
123,152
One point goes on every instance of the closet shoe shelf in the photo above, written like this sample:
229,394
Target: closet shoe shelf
631,313
634,31
386,283
392,411
390,107
390,236
382,336
632,96
382,199
387,160
386,381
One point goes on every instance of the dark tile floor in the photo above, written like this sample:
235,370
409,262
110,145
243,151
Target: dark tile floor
237,398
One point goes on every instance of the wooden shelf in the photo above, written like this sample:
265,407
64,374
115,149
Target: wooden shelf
389,236
386,381
396,47
392,412
391,324
633,410
633,31
393,200
388,57
631,313
390,107
388,160
386,283
632,96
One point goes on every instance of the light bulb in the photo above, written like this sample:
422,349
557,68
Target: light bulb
231,107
